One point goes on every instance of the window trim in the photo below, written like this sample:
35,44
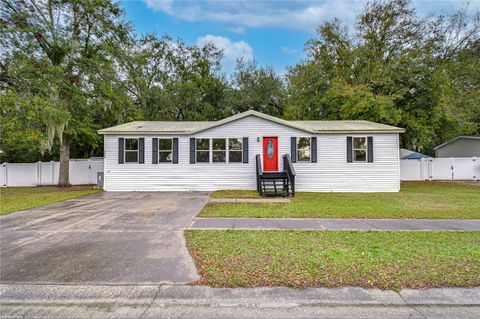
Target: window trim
164,151
354,158
298,150
131,151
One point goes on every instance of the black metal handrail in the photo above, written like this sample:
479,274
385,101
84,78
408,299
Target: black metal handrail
288,168
259,173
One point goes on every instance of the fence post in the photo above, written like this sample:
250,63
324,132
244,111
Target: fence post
452,161
474,159
5,175
90,169
53,172
420,162
430,169
39,173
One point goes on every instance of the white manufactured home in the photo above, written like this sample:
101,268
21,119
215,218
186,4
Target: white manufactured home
252,150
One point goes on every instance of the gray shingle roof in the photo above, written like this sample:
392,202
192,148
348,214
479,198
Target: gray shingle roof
192,127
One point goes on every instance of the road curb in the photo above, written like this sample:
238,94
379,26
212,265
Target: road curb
258,297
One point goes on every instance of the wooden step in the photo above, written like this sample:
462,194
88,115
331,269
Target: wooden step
274,175
273,181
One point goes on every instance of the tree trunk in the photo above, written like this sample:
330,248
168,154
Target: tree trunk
64,177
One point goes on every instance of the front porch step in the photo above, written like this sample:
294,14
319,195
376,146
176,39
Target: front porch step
280,183
274,193
271,181
274,175
274,184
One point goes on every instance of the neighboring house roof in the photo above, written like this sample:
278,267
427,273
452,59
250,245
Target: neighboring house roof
192,127
405,152
408,154
415,155
474,137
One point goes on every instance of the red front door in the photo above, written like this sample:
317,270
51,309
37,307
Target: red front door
270,154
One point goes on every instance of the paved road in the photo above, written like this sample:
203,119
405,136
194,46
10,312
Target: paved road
335,224
109,237
178,301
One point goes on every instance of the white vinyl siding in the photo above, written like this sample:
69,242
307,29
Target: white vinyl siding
331,173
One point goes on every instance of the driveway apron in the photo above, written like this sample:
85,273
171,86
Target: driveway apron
105,238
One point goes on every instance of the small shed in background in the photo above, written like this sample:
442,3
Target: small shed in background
460,146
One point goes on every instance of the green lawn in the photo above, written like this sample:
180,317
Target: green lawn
415,200
18,198
387,260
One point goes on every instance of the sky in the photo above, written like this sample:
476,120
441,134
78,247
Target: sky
271,32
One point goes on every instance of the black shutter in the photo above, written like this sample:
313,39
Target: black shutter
154,150
349,149
192,150
314,149
245,149
141,150
121,146
175,150
370,149
293,149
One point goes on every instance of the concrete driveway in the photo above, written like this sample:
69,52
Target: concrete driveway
105,238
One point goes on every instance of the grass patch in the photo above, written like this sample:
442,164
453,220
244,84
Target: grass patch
415,200
18,198
387,260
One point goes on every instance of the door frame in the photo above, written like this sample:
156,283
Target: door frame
263,154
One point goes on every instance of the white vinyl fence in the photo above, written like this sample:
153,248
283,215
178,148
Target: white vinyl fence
428,169
82,172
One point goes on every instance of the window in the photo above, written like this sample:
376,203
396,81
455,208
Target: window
235,149
165,152
203,150
131,150
270,149
303,149
222,150
359,149
219,153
